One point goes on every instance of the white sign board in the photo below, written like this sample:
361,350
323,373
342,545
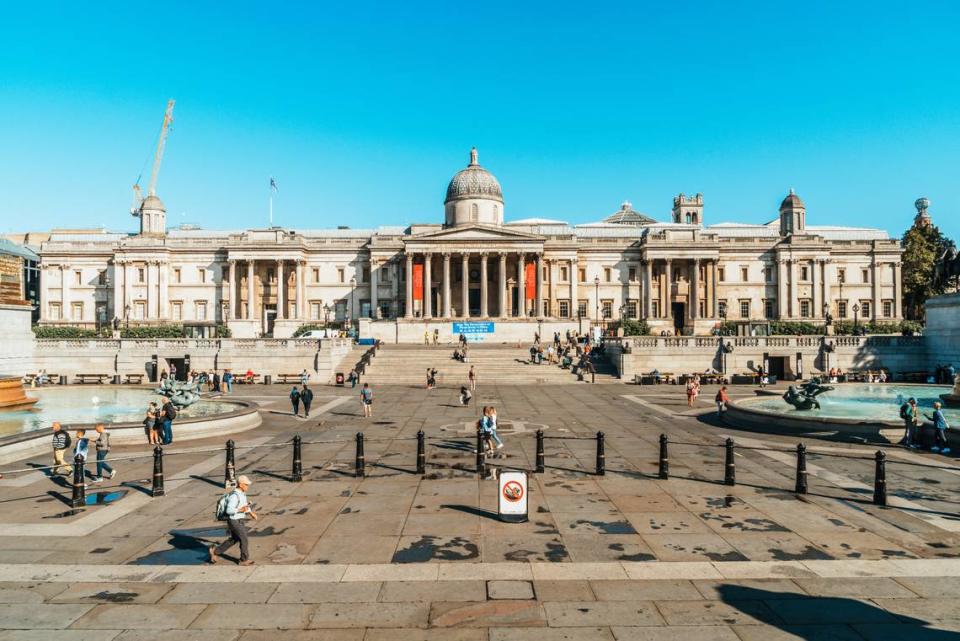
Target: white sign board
512,500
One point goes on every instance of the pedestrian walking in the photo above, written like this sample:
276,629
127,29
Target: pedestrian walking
234,508
295,400
167,414
426,337
472,378
722,399
761,377
81,447
216,381
465,396
61,444
306,397
304,377
691,393
103,450
436,337
908,412
491,414
431,378
228,381
366,399
940,427
352,377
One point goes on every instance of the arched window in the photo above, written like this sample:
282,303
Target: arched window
688,218
496,211
474,212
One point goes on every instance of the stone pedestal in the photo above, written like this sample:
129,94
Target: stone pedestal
941,335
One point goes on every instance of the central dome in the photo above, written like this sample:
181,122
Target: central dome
473,182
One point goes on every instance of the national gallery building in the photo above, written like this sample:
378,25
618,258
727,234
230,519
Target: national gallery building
681,276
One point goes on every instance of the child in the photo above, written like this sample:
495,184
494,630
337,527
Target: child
465,396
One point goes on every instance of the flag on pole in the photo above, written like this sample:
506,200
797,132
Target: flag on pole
273,184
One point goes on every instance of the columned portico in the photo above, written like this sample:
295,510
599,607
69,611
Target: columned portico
465,286
483,285
521,287
502,288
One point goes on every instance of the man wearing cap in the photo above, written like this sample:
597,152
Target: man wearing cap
238,509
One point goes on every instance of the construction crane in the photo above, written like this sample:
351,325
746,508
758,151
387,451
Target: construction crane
157,159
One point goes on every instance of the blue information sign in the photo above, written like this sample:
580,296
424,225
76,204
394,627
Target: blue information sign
473,330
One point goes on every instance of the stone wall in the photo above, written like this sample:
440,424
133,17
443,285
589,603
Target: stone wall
942,332
679,355
133,356
504,331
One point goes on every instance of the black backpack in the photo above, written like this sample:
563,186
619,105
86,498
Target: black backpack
903,410
170,411
66,439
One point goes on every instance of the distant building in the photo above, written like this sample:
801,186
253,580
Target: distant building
681,276
19,276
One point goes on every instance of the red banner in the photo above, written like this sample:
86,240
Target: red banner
418,281
530,281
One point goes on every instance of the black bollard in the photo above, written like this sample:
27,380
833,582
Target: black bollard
481,461
664,472
157,487
297,475
79,497
421,453
229,469
601,456
880,480
801,469
730,467
359,470
541,458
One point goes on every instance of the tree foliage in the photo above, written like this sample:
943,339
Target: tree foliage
922,245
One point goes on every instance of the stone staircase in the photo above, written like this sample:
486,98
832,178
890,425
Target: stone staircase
497,364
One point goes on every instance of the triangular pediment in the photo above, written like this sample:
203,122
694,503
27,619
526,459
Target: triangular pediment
474,233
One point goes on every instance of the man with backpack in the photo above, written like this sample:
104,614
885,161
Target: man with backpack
911,419
61,444
306,397
295,400
234,508
168,413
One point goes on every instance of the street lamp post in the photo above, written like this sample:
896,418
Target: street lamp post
856,319
827,318
126,316
596,296
326,320
353,285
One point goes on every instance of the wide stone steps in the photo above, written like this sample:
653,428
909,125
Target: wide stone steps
407,365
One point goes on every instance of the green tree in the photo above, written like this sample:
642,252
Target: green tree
922,245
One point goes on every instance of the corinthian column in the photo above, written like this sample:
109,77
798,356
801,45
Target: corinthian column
250,307
539,293
408,313
446,285
502,289
484,313
465,285
232,306
521,286
427,303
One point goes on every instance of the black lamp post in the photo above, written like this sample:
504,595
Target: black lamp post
856,318
126,316
326,320
353,285
596,296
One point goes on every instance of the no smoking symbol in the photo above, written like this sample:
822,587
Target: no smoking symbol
512,491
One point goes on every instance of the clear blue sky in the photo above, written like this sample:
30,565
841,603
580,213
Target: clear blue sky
363,111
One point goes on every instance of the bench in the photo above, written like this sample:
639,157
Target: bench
241,379
134,379
288,378
96,379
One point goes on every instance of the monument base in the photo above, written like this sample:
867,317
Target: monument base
12,395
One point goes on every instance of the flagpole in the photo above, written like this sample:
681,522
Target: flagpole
271,207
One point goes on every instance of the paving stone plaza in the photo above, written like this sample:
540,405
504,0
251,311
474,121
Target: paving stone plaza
400,555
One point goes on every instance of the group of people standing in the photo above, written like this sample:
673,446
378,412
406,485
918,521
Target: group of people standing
303,395
911,415
158,422
81,448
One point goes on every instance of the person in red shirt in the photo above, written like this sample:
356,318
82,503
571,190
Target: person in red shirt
722,399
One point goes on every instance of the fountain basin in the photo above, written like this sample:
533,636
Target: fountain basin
12,395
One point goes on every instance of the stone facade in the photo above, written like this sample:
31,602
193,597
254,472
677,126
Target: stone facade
681,276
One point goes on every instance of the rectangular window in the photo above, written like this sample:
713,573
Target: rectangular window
804,309
102,312
631,309
606,308
865,274
842,308
564,274
804,273
841,275
384,274
102,277
701,308
176,274
744,274
767,274
546,308
201,310
888,309
203,274
722,308
545,274
865,309
55,311
768,309
606,274
745,309
76,311
340,275
582,275
316,274
721,274
224,310
314,311
655,308
581,309
633,274
271,275
139,310
564,308
141,275
177,310
78,277
365,275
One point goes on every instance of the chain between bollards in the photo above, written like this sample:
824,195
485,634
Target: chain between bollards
79,497
880,479
157,487
296,474
541,458
730,467
421,453
359,470
230,469
601,456
663,473
801,469
481,461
